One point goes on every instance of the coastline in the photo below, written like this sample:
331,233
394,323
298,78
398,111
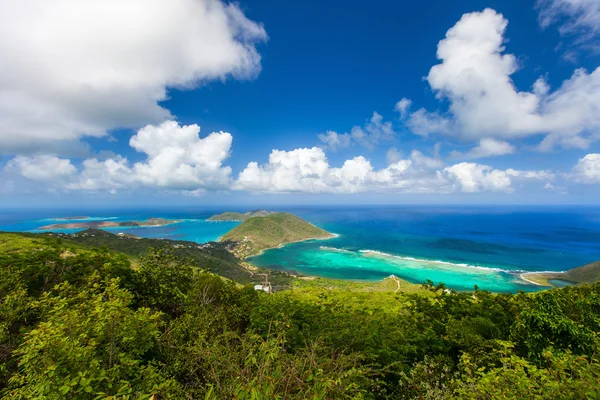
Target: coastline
333,236
544,277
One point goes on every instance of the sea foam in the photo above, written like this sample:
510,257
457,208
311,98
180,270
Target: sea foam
422,260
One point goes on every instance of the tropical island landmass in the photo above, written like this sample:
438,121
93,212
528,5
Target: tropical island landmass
259,233
236,216
150,222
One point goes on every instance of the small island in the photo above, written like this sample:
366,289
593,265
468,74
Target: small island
272,230
236,216
150,222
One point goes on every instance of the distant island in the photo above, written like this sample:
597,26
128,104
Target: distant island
588,273
110,224
236,216
75,218
259,233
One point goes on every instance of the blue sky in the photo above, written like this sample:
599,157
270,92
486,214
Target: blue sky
304,99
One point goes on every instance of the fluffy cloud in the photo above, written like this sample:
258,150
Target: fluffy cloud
96,79
42,168
582,18
375,131
587,169
474,75
308,171
488,147
471,178
177,158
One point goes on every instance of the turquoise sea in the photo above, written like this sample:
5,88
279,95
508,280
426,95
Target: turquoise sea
460,246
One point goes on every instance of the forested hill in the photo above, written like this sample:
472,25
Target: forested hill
259,233
84,323
212,256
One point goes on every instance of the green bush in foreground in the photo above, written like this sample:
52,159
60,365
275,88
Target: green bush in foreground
84,324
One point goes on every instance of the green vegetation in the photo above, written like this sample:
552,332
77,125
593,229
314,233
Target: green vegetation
260,233
236,216
212,257
588,273
85,323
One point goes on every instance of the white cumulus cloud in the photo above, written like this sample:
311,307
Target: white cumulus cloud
307,170
42,168
471,178
75,68
475,77
111,174
177,158
587,169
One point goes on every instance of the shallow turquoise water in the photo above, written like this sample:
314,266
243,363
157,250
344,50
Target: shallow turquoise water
342,264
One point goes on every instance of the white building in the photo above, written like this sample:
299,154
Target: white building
263,288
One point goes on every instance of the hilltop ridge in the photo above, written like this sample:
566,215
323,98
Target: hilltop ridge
237,216
274,229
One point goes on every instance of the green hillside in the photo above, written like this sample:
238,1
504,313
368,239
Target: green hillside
79,322
260,233
213,256
589,273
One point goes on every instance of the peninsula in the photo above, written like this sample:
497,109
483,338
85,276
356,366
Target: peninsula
259,233
236,216
150,222
588,273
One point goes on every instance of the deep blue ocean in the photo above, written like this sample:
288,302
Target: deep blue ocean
460,246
